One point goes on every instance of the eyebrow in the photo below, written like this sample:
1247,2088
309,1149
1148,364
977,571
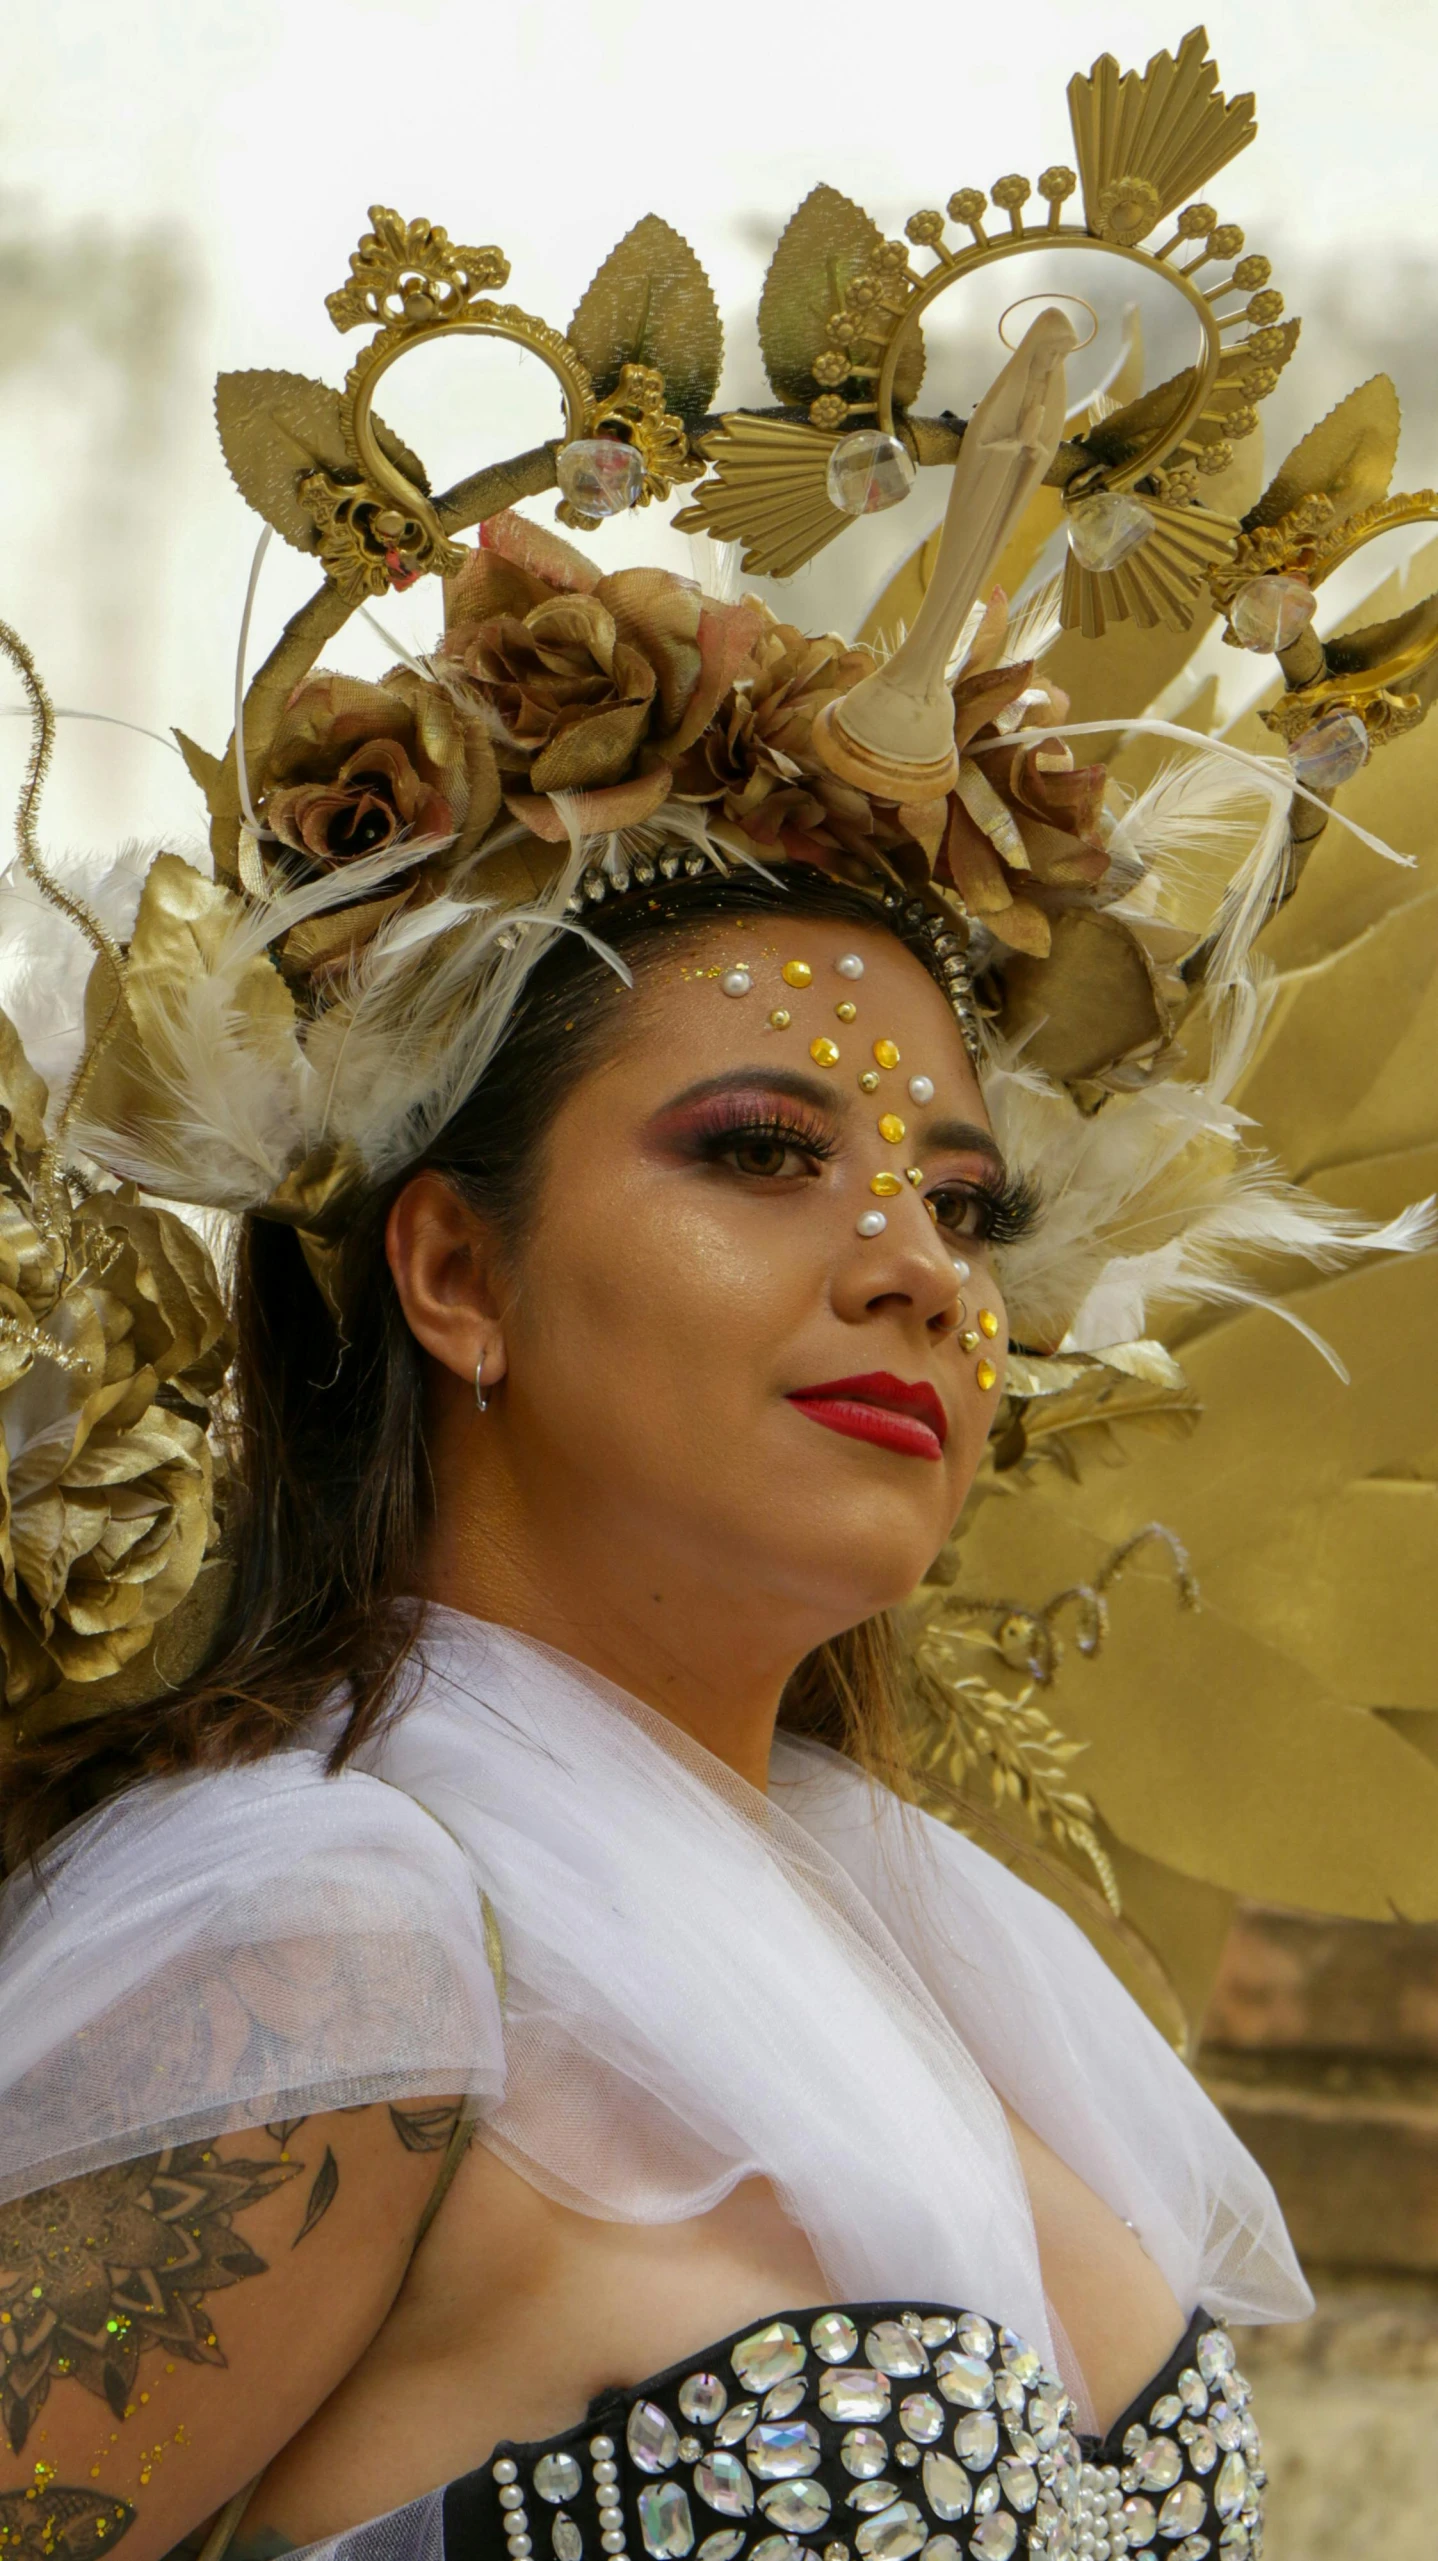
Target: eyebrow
957,1137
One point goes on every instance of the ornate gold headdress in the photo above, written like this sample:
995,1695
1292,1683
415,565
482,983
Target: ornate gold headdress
389,860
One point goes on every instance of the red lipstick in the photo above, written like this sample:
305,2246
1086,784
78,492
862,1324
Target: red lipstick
879,1408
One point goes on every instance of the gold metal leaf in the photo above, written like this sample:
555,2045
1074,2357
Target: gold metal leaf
769,491
1147,141
822,246
275,427
1348,457
652,304
1160,582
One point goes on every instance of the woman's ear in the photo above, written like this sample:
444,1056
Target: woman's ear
444,1259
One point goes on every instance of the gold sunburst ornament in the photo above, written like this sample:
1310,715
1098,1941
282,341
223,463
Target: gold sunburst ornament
1141,543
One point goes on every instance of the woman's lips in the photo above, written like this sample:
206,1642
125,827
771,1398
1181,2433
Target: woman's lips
879,1408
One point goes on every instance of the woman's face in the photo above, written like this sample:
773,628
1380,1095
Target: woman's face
754,1322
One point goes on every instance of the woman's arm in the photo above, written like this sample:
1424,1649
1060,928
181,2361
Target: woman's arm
166,2325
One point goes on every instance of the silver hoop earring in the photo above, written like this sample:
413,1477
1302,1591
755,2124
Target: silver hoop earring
480,1398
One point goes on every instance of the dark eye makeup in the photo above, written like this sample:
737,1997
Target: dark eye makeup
767,1141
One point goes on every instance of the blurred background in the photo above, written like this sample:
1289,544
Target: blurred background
182,182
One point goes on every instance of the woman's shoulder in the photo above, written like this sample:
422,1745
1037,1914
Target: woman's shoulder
228,1945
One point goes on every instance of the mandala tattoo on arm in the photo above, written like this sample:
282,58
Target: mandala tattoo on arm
51,2521
96,2271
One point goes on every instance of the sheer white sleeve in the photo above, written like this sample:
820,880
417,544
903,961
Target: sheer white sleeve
230,1948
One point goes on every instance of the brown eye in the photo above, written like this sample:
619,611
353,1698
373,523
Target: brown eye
766,1156
960,1213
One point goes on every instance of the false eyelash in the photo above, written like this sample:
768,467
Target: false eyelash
1011,1208
724,1125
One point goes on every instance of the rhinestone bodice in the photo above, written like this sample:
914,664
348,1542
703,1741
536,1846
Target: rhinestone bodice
877,2433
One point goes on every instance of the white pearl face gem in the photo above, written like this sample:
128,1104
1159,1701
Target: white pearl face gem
873,1223
849,965
736,982
921,1089
962,1270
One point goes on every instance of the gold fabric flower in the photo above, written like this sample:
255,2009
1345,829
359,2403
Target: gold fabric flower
112,1341
1022,821
356,767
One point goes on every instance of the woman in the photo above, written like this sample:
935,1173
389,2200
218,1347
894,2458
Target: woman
621,1317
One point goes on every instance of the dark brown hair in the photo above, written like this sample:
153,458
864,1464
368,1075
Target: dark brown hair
328,1476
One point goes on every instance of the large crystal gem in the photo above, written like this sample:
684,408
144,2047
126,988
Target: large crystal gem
891,2349
986,2497
724,2545
1202,2452
566,2539
1018,2481
1231,2487
1227,2426
768,2356
975,2336
702,2398
894,2535
1104,529
1019,2357
867,471
994,2537
1140,2518
1215,2355
864,2453
599,476
724,2485
652,2438
1192,2393
665,2521
870,2496
1046,2417
1156,2467
1009,2395
784,2400
1325,756
779,2448
1182,2510
939,2327
1270,612
947,2487
557,2477
976,2435
834,2338
921,2417
854,2392
966,2380
737,2422
1167,2412
796,2507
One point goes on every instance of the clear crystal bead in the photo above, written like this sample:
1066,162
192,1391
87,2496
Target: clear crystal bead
1009,2394
784,2400
665,2520
1231,2487
1215,2355
868,470
870,2496
1270,612
600,476
906,2454
1195,2547
1140,2518
947,2487
1227,2426
796,2507
921,2417
1202,2451
939,2327
702,2398
891,2348
994,2537
834,2338
1018,2481
652,2438
779,2448
722,2546
976,2436
768,2356
1019,2357
566,2539
975,2336
557,2477
1104,529
864,2453
966,2381
1156,2468
854,2392
986,2497
1182,2511
1192,2392
723,2483
775,2547
894,2535
1330,753
942,2547
1167,2412
737,2422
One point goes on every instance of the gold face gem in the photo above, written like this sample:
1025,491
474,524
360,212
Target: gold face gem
885,1051
914,1174
846,1012
968,1340
824,1052
869,1082
892,1128
780,1019
986,1374
988,1322
885,1185
796,973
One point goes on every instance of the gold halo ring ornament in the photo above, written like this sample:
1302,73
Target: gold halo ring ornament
1047,302
1145,144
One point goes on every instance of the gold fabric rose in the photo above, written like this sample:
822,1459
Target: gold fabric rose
592,685
356,767
112,1340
